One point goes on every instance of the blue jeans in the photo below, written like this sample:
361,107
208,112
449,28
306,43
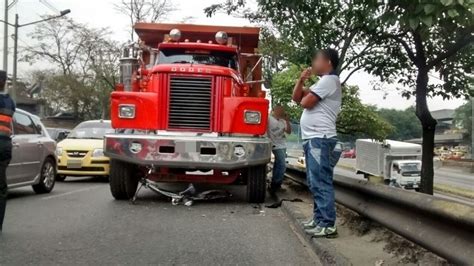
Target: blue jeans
321,157
279,167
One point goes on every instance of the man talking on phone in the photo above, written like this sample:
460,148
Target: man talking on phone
322,104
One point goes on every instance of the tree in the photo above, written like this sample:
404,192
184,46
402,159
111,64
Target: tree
404,123
355,117
463,118
143,11
414,39
83,66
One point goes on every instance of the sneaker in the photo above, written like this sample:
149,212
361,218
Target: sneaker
318,231
309,224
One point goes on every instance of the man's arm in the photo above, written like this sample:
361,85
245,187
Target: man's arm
324,87
288,125
310,100
298,91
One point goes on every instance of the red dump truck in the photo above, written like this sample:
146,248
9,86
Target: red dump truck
189,108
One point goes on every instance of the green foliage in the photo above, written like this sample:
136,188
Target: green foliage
355,117
463,118
302,27
404,122
282,87
358,119
414,36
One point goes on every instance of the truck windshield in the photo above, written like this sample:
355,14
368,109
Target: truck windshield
91,130
203,57
410,168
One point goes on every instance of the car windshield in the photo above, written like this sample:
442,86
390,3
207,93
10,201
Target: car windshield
88,130
203,57
411,167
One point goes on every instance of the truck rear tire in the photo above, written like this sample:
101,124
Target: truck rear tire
256,183
123,180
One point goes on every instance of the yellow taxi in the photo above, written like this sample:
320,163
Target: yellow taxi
82,152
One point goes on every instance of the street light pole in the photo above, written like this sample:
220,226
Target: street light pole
15,48
5,39
15,59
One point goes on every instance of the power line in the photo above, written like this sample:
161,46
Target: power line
47,4
12,4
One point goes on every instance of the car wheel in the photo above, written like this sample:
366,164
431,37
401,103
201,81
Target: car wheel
47,177
123,180
60,178
256,189
104,178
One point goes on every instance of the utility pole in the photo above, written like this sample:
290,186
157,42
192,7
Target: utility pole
15,59
5,39
15,48
472,130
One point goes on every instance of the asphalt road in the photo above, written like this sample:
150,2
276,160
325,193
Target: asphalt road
349,173
445,175
80,223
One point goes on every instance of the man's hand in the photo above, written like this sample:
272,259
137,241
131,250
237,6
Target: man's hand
298,92
306,74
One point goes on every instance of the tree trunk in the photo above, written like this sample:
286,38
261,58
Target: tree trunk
428,124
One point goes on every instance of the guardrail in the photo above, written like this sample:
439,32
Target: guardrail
441,226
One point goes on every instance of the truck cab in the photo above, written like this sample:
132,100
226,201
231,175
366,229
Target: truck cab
189,108
406,173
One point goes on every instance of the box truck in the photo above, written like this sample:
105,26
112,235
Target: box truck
399,163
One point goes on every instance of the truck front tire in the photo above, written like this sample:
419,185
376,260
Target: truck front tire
256,183
123,180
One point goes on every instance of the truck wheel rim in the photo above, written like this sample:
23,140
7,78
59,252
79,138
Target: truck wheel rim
48,173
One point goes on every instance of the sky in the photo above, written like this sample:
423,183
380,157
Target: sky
101,13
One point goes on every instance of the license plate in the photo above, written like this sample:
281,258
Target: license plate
74,164
184,147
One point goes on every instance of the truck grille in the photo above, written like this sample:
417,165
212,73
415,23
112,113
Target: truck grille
190,103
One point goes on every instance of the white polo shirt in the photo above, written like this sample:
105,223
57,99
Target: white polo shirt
320,121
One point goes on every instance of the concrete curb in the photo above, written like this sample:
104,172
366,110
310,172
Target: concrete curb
325,250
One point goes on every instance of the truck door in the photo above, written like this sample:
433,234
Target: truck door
395,172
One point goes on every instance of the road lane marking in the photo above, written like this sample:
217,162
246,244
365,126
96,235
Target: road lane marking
71,192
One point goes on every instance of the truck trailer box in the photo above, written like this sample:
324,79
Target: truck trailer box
374,157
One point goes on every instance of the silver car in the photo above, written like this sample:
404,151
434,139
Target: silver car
33,156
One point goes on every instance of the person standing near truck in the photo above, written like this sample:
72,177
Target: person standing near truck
7,108
278,125
322,104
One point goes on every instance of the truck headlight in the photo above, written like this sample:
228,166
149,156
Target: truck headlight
98,153
59,151
127,111
252,117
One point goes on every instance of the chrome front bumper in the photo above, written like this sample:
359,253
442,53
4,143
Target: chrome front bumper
189,152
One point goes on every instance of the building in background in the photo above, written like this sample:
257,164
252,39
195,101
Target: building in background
446,132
